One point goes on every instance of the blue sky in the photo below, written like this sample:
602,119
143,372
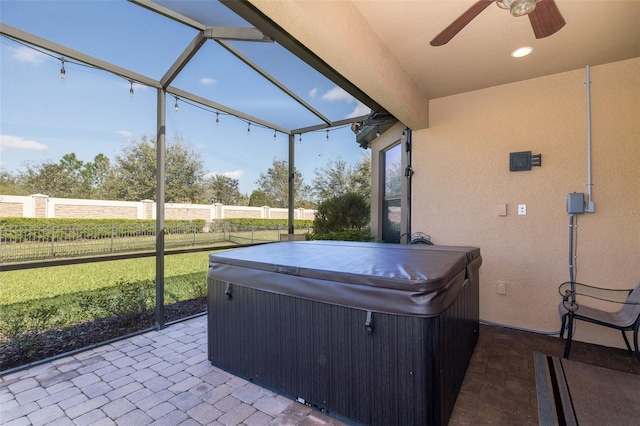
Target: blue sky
90,111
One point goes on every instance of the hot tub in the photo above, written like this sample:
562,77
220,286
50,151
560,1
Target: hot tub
369,333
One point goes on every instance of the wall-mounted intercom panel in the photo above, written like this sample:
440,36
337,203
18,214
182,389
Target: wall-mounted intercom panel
575,203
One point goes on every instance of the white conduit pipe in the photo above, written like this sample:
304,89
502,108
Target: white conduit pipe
590,205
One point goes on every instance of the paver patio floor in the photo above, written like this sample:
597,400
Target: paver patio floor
164,378
158,378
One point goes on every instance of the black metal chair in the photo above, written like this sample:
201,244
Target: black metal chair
626,318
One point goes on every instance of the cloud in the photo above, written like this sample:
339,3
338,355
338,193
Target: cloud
8,142
207,81
28,55
235,174
360,110
313,92
125,133
338,94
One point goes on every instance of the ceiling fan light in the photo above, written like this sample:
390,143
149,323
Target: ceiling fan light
522,7
504,4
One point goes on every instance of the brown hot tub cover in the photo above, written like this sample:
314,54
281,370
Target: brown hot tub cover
410,280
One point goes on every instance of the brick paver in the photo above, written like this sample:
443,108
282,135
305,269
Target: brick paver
159,378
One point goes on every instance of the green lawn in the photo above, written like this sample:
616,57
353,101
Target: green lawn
40,250
36,300
45,283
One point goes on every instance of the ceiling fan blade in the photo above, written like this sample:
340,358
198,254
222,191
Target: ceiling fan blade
448,33
546,19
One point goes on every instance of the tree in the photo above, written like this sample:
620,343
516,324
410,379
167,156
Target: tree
259,198
95,174
10,184
69,178
275,184
222,189
88,176
52,179
134,173
337,178
360,179
330,181
244,200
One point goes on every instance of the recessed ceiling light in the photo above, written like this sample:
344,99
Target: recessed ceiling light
522,51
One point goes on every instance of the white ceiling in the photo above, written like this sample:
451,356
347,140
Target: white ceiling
597,32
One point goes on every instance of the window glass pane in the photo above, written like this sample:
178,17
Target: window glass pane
391,207
391,221
392,173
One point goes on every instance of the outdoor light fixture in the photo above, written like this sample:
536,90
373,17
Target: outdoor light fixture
522,51
63,72
248,128
131,89
327,135
518,7
524,160
274,135
217,118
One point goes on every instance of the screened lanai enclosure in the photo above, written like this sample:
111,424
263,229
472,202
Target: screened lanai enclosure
84,76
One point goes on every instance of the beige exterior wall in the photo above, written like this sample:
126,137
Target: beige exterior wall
42,206
148,209
279,214
462,179
243,213
76,211
306,214
187,212
9,209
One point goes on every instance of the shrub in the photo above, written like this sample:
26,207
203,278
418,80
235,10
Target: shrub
349,235
23,325
250,223
345,217
26,320
19,230
126,301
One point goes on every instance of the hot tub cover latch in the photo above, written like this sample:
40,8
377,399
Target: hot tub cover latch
228,292
369,322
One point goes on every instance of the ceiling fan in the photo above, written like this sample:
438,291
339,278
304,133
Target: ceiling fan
544,16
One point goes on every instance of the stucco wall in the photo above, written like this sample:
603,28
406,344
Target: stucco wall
94,212
10,209
244,213
187,212
42,206
462,178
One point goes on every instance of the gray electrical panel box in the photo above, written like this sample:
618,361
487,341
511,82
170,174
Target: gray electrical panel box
575,203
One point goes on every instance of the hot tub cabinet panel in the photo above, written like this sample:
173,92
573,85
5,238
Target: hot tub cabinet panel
357,364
